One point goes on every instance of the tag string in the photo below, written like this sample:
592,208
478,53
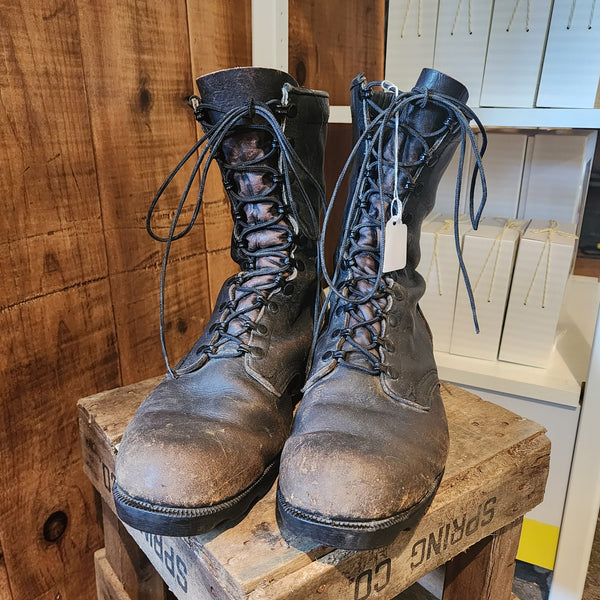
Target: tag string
396,206
549,231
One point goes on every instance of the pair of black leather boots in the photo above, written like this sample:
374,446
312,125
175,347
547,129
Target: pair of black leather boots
365,452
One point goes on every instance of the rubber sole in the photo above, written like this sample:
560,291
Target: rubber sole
352,535
185,521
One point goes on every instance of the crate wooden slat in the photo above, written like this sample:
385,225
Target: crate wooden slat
108,585
131,566
496,471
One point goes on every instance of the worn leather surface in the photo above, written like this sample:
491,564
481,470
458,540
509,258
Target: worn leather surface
204,437
191,444
367,446
356,453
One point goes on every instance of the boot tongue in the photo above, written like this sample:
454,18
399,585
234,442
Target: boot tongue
257,205
232,88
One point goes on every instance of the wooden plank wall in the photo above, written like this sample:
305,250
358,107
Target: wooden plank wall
92,118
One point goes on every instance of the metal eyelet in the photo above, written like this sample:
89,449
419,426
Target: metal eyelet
390,371
262,329
273,307
257,352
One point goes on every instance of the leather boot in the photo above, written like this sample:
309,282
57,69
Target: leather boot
205,444
370,437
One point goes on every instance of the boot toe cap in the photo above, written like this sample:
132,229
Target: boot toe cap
344,477
187,461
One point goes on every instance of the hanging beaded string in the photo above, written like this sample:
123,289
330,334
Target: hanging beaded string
514,12
447,225
405,22
549,231
572,14
456,18
508,224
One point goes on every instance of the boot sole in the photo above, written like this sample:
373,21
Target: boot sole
184,521
352,535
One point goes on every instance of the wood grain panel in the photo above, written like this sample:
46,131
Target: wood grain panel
337,150
136,314
229,25
138,77
55,308
62,346
108,585
5,593
331,42
50,231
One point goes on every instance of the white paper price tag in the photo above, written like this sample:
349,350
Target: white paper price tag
394,252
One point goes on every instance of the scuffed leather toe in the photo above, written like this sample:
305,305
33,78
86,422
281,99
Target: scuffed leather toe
190,461
343,477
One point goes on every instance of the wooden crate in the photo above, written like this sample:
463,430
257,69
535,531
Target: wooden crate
496,472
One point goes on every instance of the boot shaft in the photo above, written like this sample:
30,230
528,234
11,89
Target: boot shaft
403,144
301,115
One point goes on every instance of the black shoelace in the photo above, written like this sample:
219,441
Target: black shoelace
279,195
355,287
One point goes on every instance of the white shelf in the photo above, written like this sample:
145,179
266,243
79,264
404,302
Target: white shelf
528,118
572,118
560,382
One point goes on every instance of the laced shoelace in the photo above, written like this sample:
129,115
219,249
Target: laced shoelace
356,288
280,267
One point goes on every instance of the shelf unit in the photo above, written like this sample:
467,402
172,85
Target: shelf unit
559,383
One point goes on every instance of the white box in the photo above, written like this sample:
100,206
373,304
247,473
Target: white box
461,41
571,67
410,40
556,177
430,217
540,276
489,254
503,167
514,54
439,267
